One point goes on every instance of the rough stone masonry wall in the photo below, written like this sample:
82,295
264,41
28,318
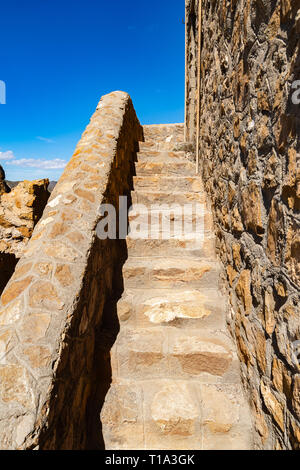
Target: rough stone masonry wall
249,150
53,304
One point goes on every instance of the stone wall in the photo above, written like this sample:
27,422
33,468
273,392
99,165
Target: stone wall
20,210
249,151
52,309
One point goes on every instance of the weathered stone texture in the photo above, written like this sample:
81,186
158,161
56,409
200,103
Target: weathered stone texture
249,155
54,302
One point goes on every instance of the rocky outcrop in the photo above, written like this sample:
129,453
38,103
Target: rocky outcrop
20,210
4,188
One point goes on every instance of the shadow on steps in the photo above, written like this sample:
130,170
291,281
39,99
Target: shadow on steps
106,336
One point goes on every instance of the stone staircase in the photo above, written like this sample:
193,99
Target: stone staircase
175,372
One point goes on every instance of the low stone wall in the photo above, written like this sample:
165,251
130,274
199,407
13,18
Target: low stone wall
52,307
249,147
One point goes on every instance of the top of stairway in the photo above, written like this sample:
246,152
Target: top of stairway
164,133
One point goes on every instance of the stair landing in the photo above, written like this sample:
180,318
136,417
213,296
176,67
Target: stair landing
175,371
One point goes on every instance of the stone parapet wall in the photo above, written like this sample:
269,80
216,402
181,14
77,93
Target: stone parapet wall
250,151
53,304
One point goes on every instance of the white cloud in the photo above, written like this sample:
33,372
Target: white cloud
55,164
7,155
9,158
45,139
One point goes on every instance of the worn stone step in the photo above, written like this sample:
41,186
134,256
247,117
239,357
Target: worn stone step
169,145
151,167
181,308
165,197
161,155
166,210
174,247
165,183
169,272
180,146
166,351
136,416
207,355
164,132
164,414
164,157
156,220
159,146
150,145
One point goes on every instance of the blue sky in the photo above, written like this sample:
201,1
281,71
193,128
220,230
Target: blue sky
59,57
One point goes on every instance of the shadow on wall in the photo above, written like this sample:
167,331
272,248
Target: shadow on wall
79,393
105,338
8,263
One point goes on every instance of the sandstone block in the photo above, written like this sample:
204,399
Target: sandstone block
243,290
14,385
275,408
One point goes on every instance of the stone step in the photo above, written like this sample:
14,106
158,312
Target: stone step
170,272
161,155
173,146
166,351
165,414
159,146
150,145
164,133
175,247
181,308
165,183
157,219
152,167
165,197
